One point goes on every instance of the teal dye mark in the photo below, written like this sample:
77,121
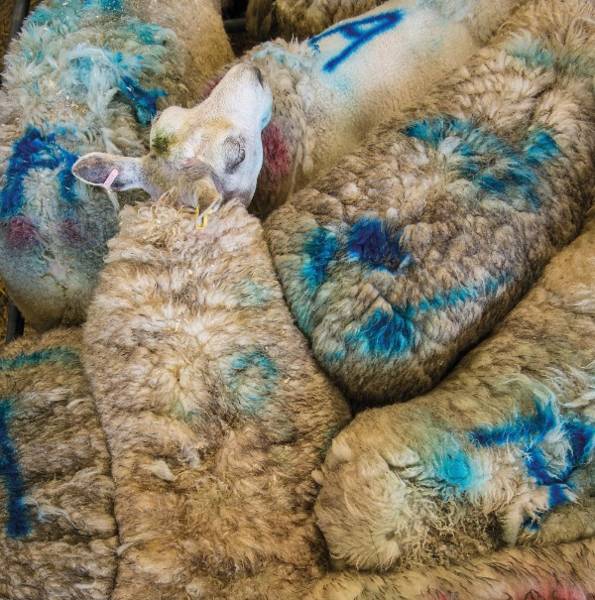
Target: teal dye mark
115,6
252,376
389,334
31,152
452,465
490,163
62,355
18,524
319,250
253,294
535,56
357,33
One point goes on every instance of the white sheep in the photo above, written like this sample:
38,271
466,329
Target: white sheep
85,75
331,89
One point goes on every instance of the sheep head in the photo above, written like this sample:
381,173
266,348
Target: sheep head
219,139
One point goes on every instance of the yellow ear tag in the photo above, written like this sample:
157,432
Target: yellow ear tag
201,220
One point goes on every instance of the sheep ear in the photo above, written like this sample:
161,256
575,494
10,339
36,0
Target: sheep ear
110,171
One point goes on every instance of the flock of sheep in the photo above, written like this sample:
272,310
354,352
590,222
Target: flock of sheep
333,224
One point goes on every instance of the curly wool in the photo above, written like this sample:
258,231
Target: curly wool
58,534
88,75
508,436
410,250
214,410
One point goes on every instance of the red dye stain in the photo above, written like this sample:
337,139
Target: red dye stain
21,233
556,591
277,160
70,232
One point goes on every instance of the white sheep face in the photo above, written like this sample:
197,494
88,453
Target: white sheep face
219,139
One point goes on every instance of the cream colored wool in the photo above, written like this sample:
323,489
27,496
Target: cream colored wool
86,76
57,531
413,248
403,484
563,571
330,90
301,18
214,410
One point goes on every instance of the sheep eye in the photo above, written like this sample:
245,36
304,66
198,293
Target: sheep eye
235,152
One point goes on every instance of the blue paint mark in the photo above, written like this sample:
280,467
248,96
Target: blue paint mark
144,102
17,525
520,429
34,359
493,165
320,249
252,376
529,433
383,336
35,150
371,242
358,33
388,334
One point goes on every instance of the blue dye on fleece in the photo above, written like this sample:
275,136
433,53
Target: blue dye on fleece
528,432
17,524
252,376
34,359
320,249
388,335
371,242
34,150
358,33
489,162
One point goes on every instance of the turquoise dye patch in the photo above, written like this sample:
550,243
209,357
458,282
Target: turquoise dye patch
388,335
320,248
495,167
17,524
34,359
252,376
456,468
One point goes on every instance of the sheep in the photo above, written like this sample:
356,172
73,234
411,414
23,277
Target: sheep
214,410
411,249
301,18
331,89
562,571
493,454
58,534
85,75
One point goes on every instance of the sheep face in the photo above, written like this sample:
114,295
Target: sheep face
218,140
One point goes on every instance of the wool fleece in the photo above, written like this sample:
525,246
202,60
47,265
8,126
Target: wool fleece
58,534
214,410
85,75
500,453
301,18
332,88
561,571
414,247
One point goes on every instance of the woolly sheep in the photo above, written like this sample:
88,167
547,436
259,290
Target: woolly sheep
214,410
58,535
331,89
486,457
412,249
85,75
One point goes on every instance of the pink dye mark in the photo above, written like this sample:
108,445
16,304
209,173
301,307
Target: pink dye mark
556,591
70,231
21,233
277,160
